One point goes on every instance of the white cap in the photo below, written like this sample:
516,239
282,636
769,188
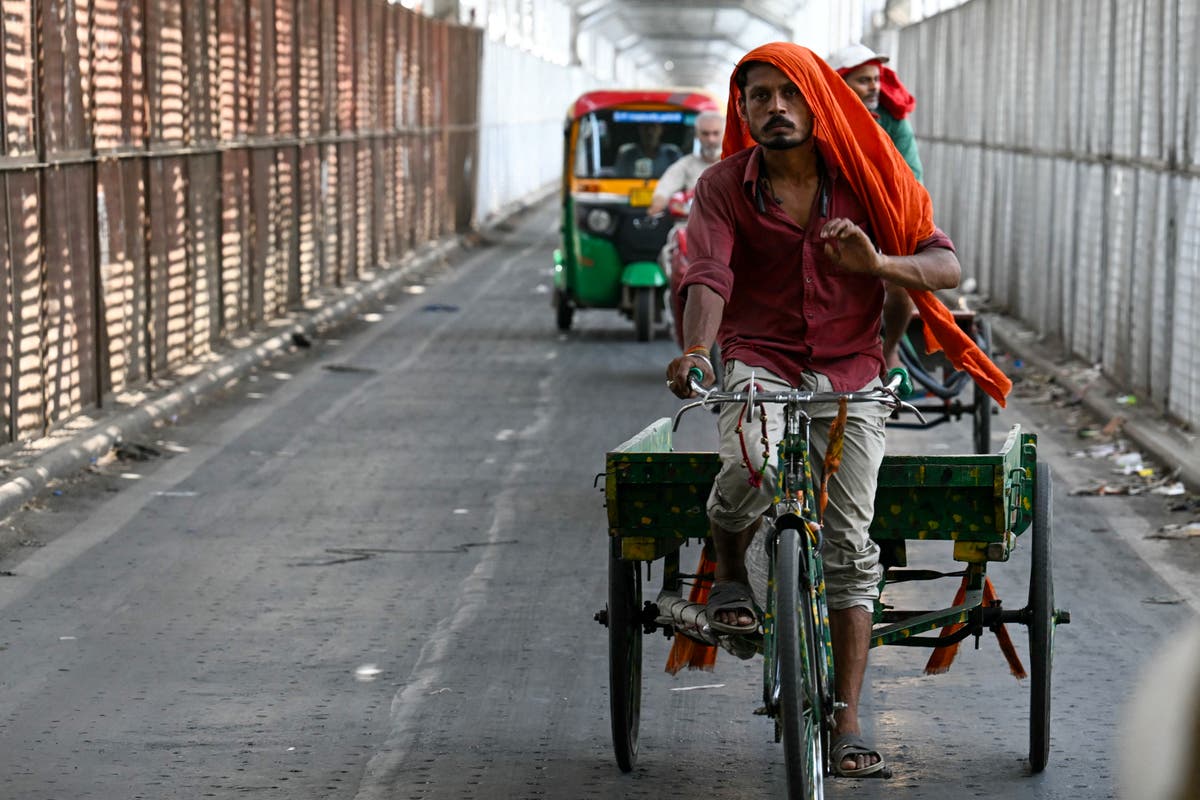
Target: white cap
853,56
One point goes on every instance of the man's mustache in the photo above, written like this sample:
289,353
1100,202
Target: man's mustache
778,122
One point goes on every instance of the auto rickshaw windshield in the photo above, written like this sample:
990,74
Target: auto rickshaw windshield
620,143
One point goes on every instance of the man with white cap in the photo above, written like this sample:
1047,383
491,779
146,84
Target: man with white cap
882,93
885,97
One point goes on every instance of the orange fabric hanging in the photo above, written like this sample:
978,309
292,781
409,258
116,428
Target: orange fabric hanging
941,657
851,141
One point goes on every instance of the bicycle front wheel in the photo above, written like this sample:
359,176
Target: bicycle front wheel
800,711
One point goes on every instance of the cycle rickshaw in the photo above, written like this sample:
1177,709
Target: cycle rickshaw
980,503
943,386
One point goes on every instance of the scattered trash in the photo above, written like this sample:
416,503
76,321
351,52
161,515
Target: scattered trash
440,691
439,307
1127,400
1129,463
176,494
370,317
462,511
694,688
66,638
300,340
1102,490
1176,530
1170,489
1113,426
1098,451
1163,601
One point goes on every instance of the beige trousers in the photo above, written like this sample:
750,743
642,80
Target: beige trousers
851,559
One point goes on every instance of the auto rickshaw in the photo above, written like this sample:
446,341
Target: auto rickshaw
617,145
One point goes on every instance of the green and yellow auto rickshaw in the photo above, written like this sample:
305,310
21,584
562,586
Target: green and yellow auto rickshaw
617,145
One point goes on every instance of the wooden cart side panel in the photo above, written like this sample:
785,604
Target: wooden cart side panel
652,492
938,512
655,437
1020,483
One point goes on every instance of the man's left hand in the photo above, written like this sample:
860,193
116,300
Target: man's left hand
849,247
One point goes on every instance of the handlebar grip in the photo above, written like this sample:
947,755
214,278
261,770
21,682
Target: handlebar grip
695,374
905,389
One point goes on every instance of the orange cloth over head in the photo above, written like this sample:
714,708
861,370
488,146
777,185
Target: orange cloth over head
901,213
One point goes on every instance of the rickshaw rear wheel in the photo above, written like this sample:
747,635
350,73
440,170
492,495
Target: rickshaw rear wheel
800,712
981,416
643,313
1041,624
564,312
625,658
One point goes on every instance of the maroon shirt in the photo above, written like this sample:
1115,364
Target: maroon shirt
787,307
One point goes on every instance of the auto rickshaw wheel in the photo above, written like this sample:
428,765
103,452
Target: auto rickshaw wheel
1041,623
643,313
564,312
625,658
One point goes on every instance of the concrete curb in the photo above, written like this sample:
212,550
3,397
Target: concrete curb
81,449
1144,427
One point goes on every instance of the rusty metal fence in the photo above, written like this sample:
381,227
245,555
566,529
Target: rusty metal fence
180,173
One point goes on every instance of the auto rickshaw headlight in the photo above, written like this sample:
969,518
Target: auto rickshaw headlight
599,220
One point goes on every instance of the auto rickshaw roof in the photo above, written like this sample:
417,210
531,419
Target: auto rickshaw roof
690,99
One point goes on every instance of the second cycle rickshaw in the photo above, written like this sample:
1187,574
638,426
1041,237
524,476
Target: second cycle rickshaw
981,503
947,394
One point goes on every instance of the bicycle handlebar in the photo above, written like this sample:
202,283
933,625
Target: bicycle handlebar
888,394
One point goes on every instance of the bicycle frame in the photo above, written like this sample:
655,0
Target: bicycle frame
796,506
798,679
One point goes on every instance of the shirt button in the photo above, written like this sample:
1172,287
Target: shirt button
808,280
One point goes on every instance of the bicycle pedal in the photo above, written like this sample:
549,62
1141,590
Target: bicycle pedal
838,705
739,646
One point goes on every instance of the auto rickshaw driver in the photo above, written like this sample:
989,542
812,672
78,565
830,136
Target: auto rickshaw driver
648,157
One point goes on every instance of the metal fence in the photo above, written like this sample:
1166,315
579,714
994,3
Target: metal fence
179,173
1062,148
521,142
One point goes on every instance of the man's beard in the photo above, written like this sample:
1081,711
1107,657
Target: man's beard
781,143
872,105
711,154
769,141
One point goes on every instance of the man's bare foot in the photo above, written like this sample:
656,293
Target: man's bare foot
731,608
855,758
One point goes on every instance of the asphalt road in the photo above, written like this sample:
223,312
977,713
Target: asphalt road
370,572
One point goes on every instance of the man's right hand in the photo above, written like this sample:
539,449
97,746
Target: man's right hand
678,379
